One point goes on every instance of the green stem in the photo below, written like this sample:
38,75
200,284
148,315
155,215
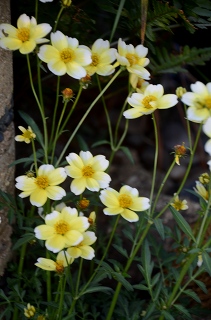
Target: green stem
58,18
188,130
130,260
85,115
186,173
48,280
71,111
103,257
162,184
54,141
55,112
106,113
39,83
61,301
35,155
40,108
155,164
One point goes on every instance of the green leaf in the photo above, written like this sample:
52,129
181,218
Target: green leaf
201,285
121,250
140,287
192,294
120,278
160,229
127,153
24,239
82,143
155,279
182,223
99,143
167,315
98,289
206,262
34,127
183,310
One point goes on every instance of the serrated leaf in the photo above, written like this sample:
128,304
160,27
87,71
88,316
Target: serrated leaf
121,250
159,226
119,277
167,315
192,294
201,285
183,310
182,223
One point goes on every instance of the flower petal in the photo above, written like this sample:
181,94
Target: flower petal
129,215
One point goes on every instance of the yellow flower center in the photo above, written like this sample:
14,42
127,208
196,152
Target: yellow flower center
87,171
42,182
132,58
62,227
27,135
178,205
125,201
95,60
67,55
147,101
59,266
208,102
23,34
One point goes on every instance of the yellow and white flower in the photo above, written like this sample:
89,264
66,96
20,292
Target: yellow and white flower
179,204
62,229
145,103
87,171
138,83
102,57
27,136
133,58
124,202
65,56
207,130
25,37
29,311
202,191
43,186
199,102
63,259
84,249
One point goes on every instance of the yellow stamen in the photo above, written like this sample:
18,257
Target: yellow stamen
208,102
87,171
147,101
95,60
125,201
27,134
23,34
132,58
66,55
62,227
59,266
42,182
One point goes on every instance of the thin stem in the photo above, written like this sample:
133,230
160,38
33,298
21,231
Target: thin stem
39,83
55,111
58,18
103,257
57,131
186,173
188,130
35,155
61,301
162,184
106,113
71,111
85,115
130,260
40,108
155,163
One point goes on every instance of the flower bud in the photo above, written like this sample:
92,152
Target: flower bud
67,94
